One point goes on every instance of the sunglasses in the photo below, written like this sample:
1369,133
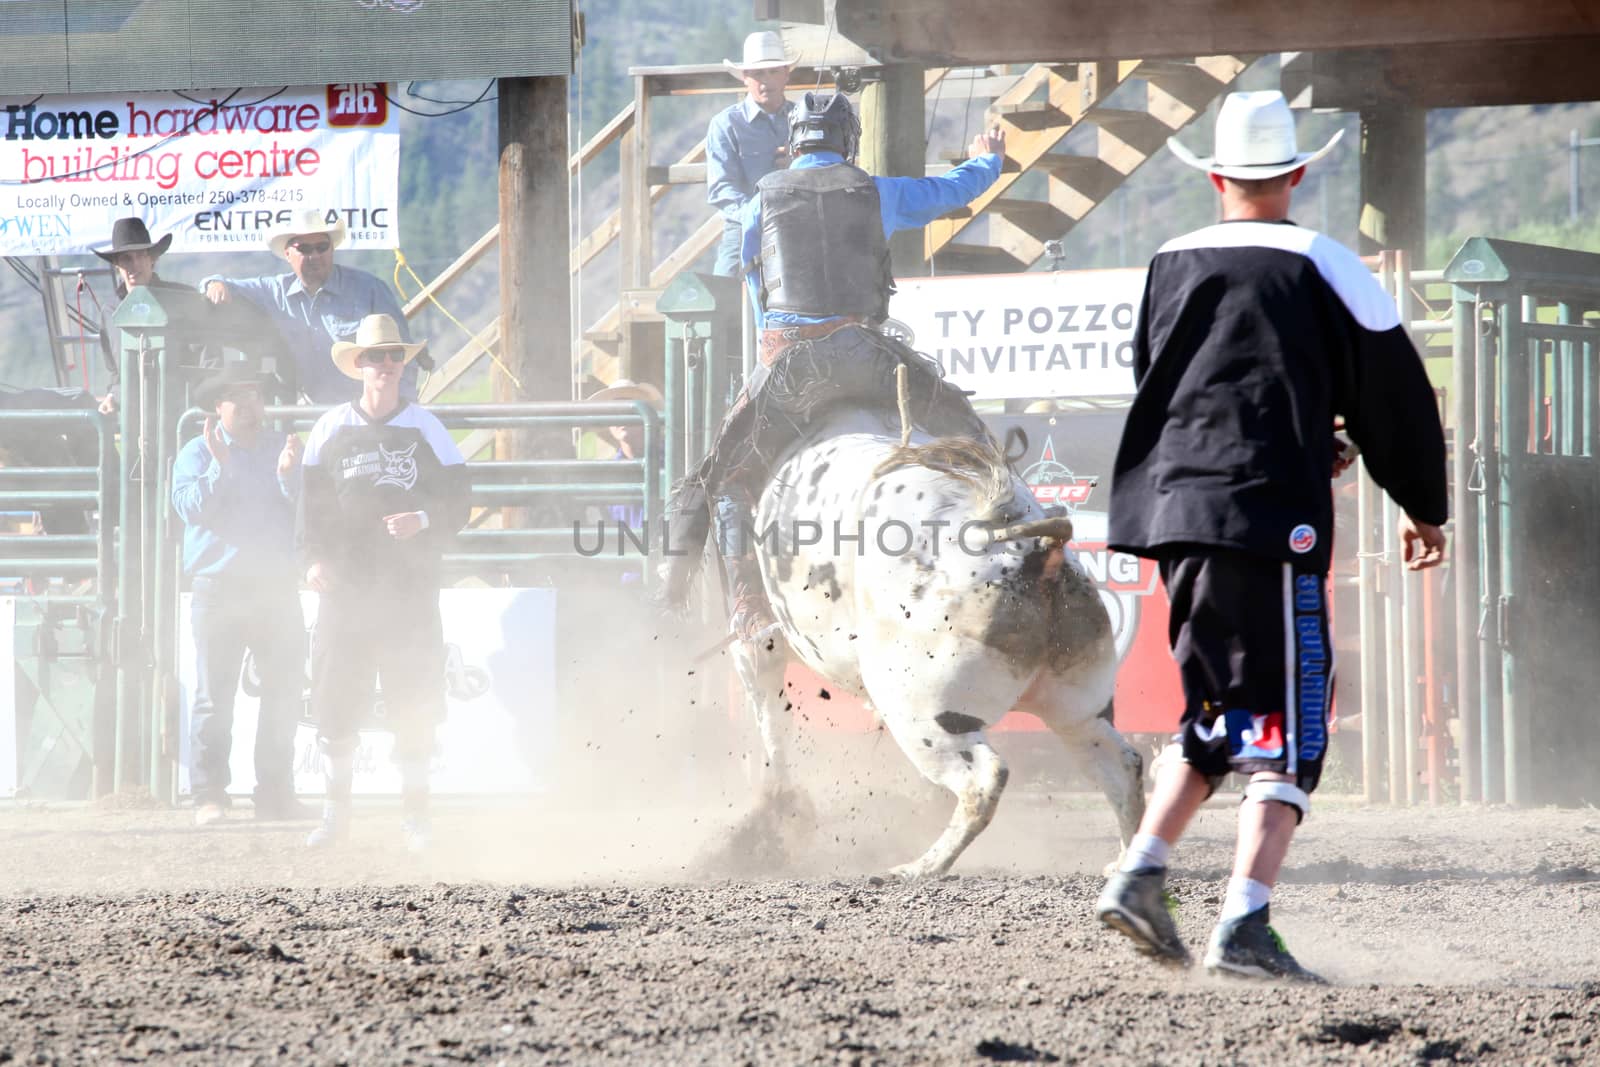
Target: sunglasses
378,357
306,249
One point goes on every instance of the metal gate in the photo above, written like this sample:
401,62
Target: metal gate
1528,529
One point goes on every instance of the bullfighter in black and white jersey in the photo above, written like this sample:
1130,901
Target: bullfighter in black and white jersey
1254,335
385,490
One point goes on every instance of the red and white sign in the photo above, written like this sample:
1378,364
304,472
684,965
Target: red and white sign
218,170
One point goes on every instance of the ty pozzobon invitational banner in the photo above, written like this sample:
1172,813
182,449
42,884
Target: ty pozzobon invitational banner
218,170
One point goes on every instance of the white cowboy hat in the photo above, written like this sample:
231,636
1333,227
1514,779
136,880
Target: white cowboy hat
306,220
375,331
1254,139
763,50
628,389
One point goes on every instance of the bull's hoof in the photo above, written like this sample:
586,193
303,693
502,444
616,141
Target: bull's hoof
914,871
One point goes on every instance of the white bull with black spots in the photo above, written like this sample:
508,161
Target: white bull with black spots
957,604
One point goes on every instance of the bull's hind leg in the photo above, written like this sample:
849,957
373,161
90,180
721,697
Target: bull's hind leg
944,740
1071,707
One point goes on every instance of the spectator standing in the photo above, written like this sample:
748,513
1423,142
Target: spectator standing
628,438
133,257
385,492
317,303
1253,336
234,487
748,140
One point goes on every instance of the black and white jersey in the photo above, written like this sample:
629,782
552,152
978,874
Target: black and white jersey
359,470
1252,336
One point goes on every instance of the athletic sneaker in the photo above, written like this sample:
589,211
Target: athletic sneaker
1250,948
1137,905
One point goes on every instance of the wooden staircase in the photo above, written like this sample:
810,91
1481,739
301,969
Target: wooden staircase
1049,101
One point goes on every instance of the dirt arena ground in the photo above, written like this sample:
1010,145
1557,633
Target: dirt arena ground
586,929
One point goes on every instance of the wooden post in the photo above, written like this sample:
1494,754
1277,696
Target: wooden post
1393,172
893,145
635,213
535,283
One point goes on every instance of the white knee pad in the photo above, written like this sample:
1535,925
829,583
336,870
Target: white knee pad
1283,792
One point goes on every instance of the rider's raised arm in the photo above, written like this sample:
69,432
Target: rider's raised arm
912,202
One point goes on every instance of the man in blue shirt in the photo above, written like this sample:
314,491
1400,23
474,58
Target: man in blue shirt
815,238
318,304
748,140
234,487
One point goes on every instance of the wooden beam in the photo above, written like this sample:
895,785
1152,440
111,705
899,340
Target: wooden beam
892,145
599,239
701,79
941,33
620,124
1394,146
1456,75
535,285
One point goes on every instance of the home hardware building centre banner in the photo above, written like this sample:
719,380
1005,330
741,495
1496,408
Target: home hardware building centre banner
218,170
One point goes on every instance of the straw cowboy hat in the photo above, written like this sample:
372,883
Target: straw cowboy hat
1254,139
306,220
763,50
130,235
628,389
375,331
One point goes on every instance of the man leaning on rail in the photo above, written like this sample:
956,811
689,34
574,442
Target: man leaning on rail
815,250
317,303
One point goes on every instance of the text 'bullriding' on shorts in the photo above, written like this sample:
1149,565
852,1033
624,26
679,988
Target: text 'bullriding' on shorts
1251,639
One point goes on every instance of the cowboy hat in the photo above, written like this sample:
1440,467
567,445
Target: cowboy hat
130,235
306,220
375,331
628,389
233,374
1254,139
763,50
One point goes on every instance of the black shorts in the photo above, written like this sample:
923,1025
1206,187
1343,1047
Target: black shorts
1250,635
388,639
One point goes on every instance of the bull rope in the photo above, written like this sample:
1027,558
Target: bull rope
902,391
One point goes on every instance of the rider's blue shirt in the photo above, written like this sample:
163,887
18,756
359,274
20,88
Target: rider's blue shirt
906,203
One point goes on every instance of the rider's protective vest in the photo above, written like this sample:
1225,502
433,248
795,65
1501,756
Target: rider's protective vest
823,251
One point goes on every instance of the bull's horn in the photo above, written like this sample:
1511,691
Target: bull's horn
1058,527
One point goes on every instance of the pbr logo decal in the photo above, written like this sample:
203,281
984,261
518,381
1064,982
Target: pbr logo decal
399,467
1302,539
1053,482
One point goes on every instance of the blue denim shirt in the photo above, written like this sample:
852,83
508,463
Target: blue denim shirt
742,143
311,324
238,520
904,203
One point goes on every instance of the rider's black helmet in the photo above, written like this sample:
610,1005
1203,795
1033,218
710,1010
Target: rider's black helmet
825,122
